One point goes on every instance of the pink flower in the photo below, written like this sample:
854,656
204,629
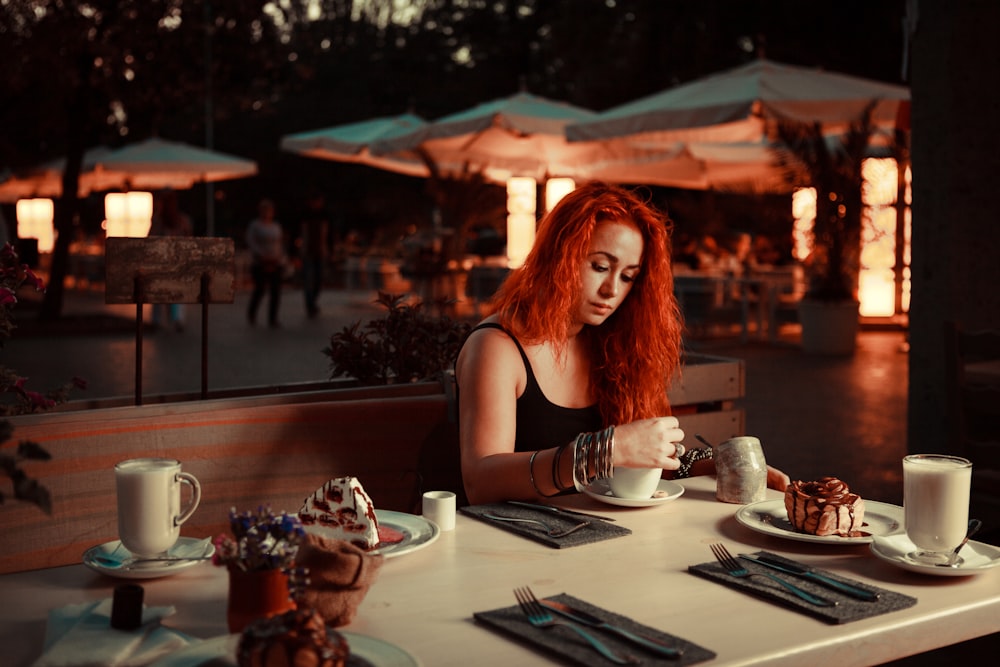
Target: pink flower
7,297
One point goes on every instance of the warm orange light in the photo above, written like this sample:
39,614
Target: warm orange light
556,189
34,221
521,197
128,214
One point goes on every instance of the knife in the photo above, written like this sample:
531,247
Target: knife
580,616
807,573
557,510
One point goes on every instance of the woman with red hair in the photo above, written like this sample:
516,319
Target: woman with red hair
567,376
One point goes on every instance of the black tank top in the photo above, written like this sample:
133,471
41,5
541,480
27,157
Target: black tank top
542,424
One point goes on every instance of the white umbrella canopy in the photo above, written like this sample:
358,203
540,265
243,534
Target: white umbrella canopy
46,179
352,143
157,163
520,135
736,105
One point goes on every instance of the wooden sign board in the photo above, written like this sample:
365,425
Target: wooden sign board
169,269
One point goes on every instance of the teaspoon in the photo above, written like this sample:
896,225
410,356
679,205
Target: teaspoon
974,526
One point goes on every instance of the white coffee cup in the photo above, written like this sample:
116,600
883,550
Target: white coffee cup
635,483
149,503
935,504
439,507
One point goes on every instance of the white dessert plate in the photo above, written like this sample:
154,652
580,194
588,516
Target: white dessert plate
221,652
769,517
976,556
417,532
197,549
666,489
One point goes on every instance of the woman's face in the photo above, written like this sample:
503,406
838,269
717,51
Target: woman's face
609,271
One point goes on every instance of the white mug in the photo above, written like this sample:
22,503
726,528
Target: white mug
149,504
935,504
439,507
635,483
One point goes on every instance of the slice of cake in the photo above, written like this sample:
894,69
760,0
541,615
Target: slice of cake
297,638
345,510
824,507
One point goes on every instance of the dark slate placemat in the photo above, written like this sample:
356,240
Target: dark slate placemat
572,647
848,609
597,531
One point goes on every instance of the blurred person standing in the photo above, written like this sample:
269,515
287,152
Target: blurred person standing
314,239
170,220
266,241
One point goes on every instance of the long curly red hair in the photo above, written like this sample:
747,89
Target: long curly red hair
635,352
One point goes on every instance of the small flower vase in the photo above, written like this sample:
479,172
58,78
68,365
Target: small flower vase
256,594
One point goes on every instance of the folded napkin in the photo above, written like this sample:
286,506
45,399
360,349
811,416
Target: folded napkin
597,531
80,635
512,621
340,575
848,609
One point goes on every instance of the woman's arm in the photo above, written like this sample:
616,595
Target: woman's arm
491,376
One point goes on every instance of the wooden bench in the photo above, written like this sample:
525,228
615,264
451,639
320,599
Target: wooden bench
245,452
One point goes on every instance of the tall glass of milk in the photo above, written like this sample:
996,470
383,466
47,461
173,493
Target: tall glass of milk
935,504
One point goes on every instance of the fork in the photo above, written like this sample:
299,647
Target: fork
549,530
735,569
540,617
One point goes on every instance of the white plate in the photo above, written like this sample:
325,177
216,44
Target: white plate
186,547
601,491
769,517
220,651
417,532
977,556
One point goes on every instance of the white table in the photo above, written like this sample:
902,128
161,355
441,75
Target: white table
423,601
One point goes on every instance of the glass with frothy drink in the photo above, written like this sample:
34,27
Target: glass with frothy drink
149,504
935,504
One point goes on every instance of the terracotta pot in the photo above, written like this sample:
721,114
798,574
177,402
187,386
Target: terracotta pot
254,595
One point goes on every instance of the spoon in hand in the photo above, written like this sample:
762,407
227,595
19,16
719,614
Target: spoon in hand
953,560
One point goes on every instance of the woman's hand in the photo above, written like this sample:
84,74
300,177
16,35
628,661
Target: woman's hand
649,443
776,479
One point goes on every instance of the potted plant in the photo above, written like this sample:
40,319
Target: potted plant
405,346
832,165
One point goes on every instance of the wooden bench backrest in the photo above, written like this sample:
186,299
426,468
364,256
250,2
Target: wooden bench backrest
243,456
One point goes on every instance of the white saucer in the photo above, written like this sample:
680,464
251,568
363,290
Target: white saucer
417,532
600,490
186,547
771,518
977,556
219,651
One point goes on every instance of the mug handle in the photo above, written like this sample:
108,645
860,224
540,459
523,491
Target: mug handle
188,478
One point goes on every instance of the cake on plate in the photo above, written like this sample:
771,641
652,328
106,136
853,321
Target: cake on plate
824,507
346,512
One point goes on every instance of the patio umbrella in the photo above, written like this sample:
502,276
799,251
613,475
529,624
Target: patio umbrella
45,180
157,163
520,135
352,143
737,105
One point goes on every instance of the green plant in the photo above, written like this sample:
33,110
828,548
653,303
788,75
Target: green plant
25,488
832,165
405,346
15,397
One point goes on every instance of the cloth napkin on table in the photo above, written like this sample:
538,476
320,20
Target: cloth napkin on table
340,575
597,531
848,609
80,635
569,645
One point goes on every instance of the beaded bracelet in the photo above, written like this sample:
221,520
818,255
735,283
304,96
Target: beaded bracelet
689,458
